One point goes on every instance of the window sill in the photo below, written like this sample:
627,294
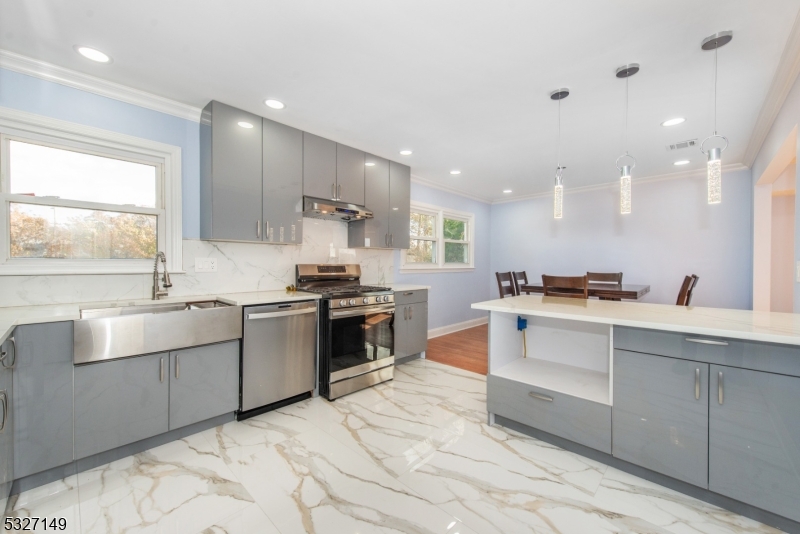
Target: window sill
426,270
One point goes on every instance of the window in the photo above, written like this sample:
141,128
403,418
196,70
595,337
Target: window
441,240
79,200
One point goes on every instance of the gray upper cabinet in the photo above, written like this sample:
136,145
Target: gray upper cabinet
204,383
349,175
319,167
754,439
230,174
282,183
660,415
42,397
120,402
400,204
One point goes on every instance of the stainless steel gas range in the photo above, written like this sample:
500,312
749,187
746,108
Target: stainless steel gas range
356,344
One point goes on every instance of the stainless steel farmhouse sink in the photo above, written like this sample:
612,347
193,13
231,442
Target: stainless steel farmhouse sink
122,331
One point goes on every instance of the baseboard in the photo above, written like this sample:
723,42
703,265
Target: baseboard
457,327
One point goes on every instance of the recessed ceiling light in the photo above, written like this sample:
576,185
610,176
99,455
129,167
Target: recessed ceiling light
244,124
682,162
93,54
370,164
455,172
274,104
406,152
506,190
673,122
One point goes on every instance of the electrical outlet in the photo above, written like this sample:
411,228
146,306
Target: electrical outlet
205,265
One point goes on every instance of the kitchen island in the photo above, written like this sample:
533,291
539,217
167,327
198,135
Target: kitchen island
701,400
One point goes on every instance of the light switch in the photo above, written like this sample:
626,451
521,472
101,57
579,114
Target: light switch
205,265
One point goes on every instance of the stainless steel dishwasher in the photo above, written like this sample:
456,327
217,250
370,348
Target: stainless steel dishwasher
279,353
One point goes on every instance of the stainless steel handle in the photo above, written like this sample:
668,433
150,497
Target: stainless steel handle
161,370
333,191
363,310
408,293
287,313
293,236
697,384
720,391
281,235
386,240
258,228
266,231
4,355
4,398
405,313
339,192
540,396
410,312
707,341
391,240
177,366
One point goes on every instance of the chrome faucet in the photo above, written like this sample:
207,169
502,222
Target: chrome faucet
158,293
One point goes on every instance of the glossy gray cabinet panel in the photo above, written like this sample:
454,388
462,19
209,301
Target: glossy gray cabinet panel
410,329
374,232
230,192
409,297
119,402
6,422
754,439
350,174
319,166
400,204
42,397
568,417
204,383
282,183
660,415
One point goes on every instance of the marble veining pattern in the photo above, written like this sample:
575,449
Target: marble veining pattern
414,455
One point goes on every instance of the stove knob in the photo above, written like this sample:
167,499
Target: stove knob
342,302
352,302
386,298
365,300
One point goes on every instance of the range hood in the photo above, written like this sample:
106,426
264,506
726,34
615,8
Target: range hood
334,210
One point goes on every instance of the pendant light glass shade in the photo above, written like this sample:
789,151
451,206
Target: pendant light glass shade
714,42
714,176
558,196
625,190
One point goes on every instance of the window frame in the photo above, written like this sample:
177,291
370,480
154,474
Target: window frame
35,129
440,266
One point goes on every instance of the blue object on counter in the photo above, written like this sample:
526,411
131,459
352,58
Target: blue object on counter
522,324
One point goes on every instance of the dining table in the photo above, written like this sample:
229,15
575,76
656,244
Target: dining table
601,290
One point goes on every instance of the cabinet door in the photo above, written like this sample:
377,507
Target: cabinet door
660,415
204,383
754,439
42,400
402,345
319,166
6,422
417,332
235,174
400,203
283,183
120,401
350,175
376,199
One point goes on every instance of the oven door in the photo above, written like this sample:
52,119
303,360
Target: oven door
362,340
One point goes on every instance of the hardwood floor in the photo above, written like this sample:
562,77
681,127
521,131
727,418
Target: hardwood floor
466,349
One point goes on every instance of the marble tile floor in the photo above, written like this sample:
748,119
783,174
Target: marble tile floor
414,455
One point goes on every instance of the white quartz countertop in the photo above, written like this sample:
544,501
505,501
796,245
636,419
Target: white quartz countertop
770,327
407,287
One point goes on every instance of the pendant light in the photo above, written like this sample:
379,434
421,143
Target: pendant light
626,71
714,42
558,193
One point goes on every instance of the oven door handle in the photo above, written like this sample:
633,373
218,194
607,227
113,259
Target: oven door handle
362,310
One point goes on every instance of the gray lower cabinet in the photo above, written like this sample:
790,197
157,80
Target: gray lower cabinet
119,402
349,175
754,438
660,415
204,383
42,397
410,323
319,166
6,420
400,202
283,183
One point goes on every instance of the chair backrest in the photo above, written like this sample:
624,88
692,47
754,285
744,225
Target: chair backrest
610,278
505,283
520,278
683,294
560,286
695,278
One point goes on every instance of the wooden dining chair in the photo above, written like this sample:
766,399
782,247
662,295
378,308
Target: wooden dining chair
555,286
612,279
695,278
520,279
505,283
684,295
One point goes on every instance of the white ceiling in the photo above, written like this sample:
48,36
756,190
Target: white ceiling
463,83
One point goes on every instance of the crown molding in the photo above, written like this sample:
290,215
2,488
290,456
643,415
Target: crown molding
609,185
434,185
85,82
783,81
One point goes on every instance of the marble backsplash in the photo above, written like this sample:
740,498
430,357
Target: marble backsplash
240,267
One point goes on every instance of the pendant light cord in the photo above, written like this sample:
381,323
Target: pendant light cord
715,89
558,143
626,115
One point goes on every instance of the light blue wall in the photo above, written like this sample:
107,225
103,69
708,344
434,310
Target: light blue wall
26,93
452,294
671,232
